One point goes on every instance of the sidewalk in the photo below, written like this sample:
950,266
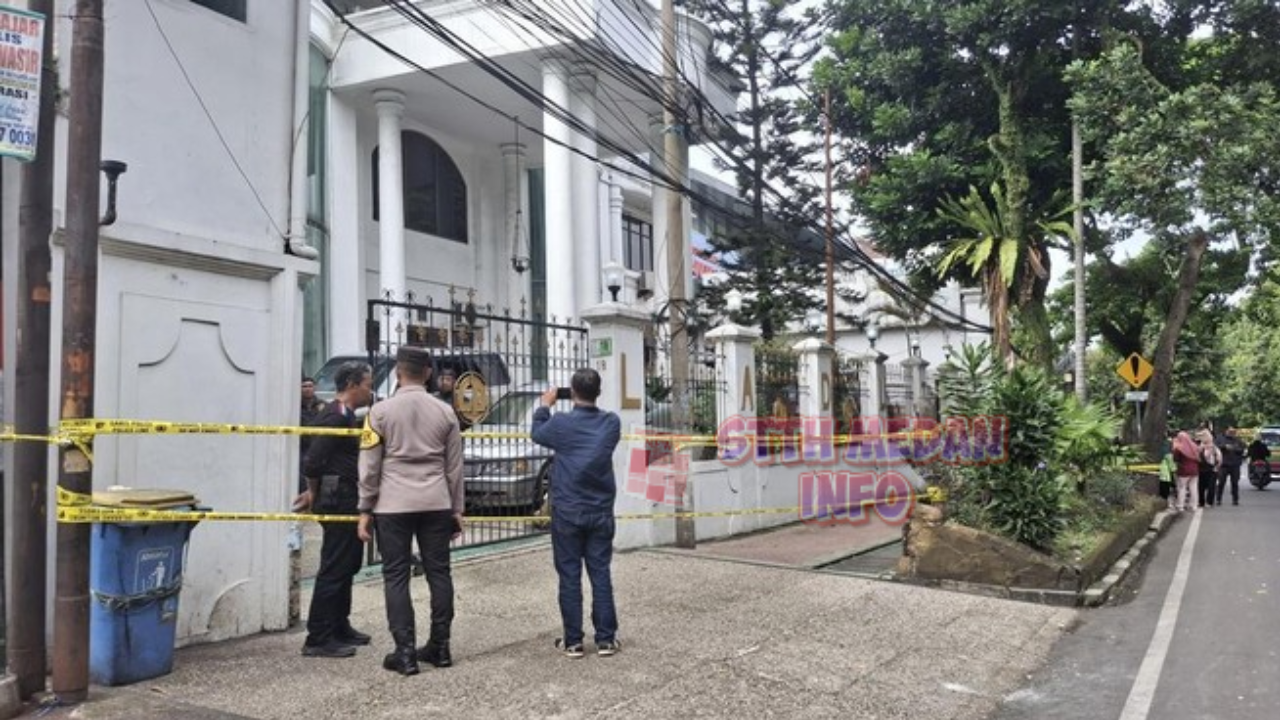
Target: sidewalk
702,637
802,545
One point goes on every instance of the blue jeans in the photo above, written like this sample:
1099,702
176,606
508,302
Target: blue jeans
578,537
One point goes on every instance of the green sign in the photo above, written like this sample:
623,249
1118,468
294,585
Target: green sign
601,347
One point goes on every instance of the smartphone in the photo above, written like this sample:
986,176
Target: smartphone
564,394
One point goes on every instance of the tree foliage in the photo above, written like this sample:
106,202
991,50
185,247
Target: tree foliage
767,45
1191,164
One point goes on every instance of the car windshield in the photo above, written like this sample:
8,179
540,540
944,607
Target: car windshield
512,409
1270,437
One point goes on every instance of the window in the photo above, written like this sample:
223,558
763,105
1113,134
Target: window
637,244
234,9
435,195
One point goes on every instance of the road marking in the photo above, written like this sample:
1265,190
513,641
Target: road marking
1143,692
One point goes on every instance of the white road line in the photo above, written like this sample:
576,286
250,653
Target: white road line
1144,685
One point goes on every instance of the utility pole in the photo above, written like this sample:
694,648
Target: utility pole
79,323
673,147
831,231
1077,223
30,510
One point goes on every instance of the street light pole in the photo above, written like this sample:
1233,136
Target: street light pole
79,324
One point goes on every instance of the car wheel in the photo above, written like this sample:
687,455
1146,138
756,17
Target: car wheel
540,503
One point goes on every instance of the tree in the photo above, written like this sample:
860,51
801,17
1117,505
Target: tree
1189,164
765,44
944,97
1005,263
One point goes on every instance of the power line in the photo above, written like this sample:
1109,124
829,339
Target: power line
850,251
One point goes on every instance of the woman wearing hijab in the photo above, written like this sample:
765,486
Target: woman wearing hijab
1186,456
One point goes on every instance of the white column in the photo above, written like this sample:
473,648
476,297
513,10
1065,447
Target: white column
815,377
391,265
586,191
918,369
517,221
557,165
617,353
345,264
615,221
735,408
604,234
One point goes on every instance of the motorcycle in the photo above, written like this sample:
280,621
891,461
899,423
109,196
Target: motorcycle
1260,473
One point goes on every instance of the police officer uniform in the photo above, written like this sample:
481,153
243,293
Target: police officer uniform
411,486
332,462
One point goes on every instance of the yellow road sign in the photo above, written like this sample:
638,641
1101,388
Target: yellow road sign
1135,370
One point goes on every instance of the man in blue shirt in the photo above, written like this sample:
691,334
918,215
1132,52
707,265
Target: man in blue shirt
583,489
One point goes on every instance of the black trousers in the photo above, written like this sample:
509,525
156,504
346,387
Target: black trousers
1205,489
340,557
1231,472
396,533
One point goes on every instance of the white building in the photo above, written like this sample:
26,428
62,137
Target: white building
471,189
198,302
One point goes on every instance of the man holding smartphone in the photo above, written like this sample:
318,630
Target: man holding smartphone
583,489
411,488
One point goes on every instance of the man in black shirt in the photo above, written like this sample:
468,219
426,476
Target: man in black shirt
1232,456
332,475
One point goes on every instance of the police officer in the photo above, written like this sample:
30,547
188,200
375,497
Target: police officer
411,488
330,469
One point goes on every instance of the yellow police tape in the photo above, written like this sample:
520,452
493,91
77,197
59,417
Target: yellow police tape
76,507
81,432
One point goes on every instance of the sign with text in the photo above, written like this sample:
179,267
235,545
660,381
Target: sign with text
21,46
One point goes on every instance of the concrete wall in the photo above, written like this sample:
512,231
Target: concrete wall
199,313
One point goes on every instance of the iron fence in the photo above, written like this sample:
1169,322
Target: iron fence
687,405
849,394
897,391
502,361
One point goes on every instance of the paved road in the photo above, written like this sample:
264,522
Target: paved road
1195,635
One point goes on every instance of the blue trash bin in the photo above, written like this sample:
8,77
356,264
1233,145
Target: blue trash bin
134,578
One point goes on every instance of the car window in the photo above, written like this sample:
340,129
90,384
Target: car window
512,409
1271,438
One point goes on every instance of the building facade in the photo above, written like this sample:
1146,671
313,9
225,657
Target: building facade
436,176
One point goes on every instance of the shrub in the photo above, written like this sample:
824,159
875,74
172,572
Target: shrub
1026,505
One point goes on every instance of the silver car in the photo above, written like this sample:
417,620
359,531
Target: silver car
508,473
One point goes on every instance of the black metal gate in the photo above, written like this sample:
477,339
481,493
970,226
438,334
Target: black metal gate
502,361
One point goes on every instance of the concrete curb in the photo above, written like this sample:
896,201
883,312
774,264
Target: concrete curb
1099,592
10,702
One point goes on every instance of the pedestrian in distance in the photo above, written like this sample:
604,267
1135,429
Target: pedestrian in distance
330,469
1186,456
1210,460
1233,450
583,490
411,489
1168,472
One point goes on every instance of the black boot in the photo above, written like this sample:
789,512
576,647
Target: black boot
436,653
402,661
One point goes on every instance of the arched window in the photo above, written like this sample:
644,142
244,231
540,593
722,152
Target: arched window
435,195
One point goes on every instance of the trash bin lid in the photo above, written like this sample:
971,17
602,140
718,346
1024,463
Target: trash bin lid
143,497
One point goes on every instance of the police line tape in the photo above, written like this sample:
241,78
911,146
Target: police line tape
70,431
76,507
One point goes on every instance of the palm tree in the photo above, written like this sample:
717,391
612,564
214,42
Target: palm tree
1006,266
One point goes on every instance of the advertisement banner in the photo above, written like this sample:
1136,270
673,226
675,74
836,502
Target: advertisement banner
21,44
